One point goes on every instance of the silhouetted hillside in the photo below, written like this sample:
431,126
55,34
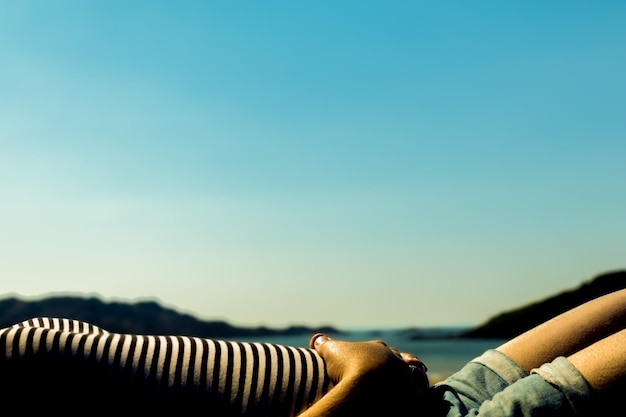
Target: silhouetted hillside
146,317
511,323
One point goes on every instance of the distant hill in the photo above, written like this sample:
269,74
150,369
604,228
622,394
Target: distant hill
149,317
514,322
145,317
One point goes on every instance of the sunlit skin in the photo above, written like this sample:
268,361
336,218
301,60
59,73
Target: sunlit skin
372,378
320,339
365,372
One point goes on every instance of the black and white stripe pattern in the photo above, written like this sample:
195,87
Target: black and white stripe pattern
52,358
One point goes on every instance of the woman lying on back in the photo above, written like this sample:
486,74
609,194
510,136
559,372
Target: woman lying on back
571,365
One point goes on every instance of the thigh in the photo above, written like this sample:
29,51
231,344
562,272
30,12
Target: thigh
483,378
569,332
603,364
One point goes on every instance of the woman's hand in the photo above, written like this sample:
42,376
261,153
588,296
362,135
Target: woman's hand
348,360
370,378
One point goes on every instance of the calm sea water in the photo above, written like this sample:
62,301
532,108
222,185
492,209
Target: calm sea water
442,356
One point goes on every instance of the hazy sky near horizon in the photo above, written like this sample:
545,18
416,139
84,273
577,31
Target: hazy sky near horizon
355,163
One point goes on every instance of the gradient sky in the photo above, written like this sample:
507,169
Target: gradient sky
356,163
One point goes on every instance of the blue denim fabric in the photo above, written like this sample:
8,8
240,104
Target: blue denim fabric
563,375
493,385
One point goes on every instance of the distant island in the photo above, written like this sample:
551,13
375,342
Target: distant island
143,317
149,317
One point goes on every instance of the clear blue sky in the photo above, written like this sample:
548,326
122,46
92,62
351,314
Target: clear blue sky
355,163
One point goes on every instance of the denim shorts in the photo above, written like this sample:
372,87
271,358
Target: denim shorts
493,385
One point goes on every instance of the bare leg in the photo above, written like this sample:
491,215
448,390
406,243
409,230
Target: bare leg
603,364
572,332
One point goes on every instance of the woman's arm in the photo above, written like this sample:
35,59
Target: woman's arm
370,379
51,358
